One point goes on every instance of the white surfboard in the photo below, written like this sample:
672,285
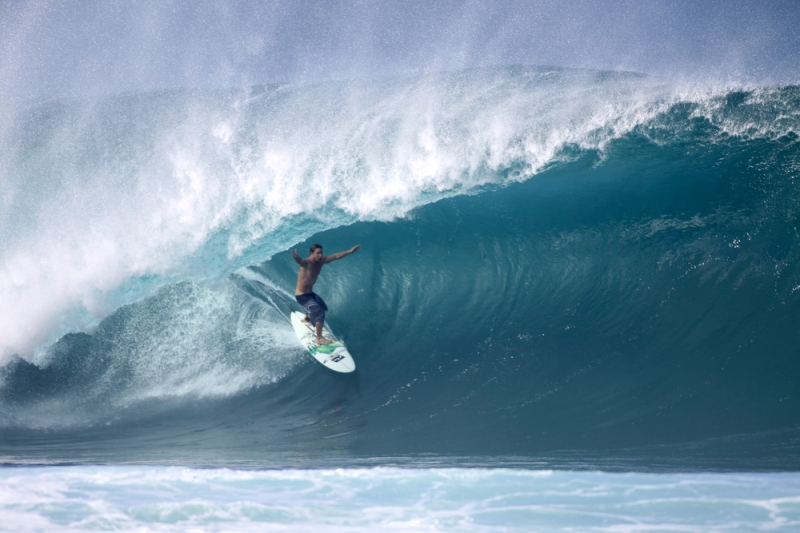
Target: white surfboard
335,356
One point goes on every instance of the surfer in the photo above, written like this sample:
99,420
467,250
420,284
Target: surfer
310,268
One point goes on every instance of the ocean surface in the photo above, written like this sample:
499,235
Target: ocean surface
575,306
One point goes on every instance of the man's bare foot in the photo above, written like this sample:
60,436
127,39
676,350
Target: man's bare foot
323,340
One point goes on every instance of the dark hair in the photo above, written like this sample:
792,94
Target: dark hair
314,247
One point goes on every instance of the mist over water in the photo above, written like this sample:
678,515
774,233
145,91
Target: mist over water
56,48
574,307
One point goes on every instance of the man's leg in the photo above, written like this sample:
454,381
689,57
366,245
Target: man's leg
304,301
320,338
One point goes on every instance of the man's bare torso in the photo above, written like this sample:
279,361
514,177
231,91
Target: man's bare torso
307,277
311,266
309,271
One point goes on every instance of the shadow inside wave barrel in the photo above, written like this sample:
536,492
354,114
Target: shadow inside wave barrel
638,306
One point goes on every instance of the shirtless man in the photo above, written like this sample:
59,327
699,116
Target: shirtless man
309,271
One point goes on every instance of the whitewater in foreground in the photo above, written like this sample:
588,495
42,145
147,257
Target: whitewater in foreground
389,499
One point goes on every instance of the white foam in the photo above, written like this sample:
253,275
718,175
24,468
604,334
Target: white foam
391,499
187,341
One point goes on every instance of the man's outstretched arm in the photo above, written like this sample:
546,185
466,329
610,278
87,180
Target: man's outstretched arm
339,255
299,260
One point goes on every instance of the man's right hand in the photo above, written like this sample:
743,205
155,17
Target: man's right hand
297,259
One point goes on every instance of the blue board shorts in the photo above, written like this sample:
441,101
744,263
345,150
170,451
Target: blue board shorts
314,306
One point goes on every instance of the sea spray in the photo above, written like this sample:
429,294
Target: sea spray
108,199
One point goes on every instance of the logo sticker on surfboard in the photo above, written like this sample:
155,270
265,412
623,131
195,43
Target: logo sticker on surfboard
334,356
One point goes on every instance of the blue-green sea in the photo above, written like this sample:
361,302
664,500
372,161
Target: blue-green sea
575,306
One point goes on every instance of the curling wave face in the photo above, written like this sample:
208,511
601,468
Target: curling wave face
551,260
106,200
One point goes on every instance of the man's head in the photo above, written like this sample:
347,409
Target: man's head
316,252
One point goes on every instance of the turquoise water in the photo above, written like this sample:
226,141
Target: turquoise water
572,285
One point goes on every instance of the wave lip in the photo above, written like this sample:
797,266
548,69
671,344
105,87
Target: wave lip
109,199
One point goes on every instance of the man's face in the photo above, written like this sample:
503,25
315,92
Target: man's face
316,255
